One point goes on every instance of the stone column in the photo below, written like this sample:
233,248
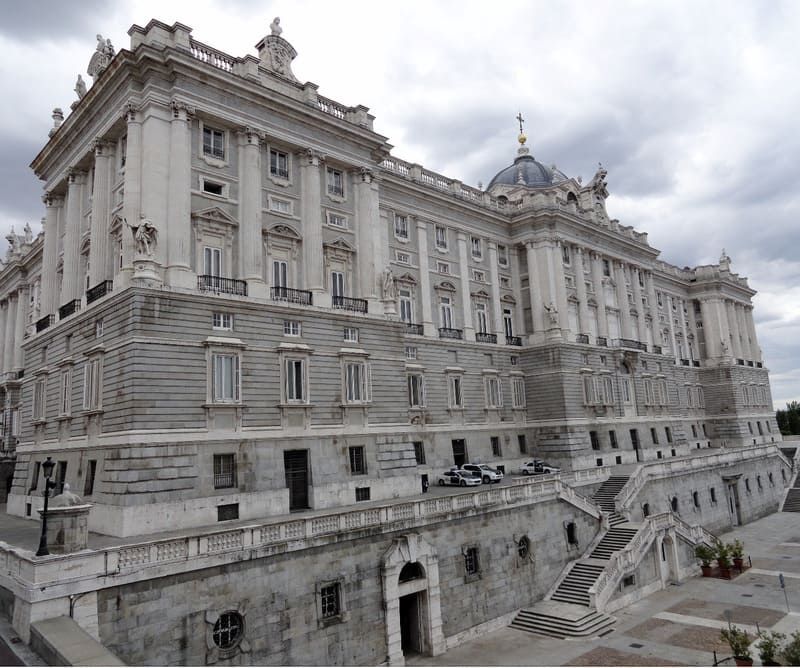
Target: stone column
722,322
368,225
466,299
636,274
425,280
747,350
755,351
4,342
600,295
672,340
625,329
733,323
534,287
19,325
71,283
695,352
8,349
311,215
101,210
55,207
653,306
580,288
179,205
251,267
683,316
560,286
131,208
497,307
516,287
710,328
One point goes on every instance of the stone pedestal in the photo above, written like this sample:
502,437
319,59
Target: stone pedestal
146,273
554,334
389,306
67,528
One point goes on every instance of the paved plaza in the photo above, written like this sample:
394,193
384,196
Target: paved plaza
676,627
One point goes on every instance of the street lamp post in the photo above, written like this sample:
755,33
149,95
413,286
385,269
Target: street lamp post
47,468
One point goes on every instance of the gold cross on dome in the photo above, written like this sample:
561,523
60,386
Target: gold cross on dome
521,121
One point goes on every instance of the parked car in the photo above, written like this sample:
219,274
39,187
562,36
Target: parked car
484,472
459,478
537,466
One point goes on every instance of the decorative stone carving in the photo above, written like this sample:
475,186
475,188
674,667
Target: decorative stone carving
145,236
389,291
80,87
725,261
552,313
100,58
276,53
58,119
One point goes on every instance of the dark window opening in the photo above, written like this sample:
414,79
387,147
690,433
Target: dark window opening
88,484
599,461
228,630
419,451
654,435
224,471
524,547
358,462
668,432
612,437
212,188
37,467
227,511
362,493
594,440
713,494
330,600
646,510
696,499
674,504
495,440
523,445
572,536
472,564
411,571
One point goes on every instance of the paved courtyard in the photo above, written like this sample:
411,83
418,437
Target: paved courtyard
676,627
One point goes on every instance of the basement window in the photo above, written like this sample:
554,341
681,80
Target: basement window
227,511
628,581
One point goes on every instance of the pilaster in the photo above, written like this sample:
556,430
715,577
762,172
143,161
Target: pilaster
580,289
625,328
251,267
733,323
71,283
425,280
131,209
179,205
636,274
4,340
557,276
600,295
747,350
19,325
672,340
368,239
466,299
710,329
755,350
534,288
516,287
8,349
311,214
497,307
101,210
684,331
54,209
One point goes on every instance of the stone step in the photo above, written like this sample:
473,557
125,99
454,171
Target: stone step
562,621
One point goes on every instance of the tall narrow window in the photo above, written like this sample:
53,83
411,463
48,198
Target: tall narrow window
416,390
335,182
65,407
295,380
280,274
406,306
502,256
358,462
419,452
477,250
213,143
357,385
456,395
224,471
279,164
518,386
337,283
508,322
494,394
39,397
440,237
480,317
225,377
212,261
446,311
401,227
495,442
92,372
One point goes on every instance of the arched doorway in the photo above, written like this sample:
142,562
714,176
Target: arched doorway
410,571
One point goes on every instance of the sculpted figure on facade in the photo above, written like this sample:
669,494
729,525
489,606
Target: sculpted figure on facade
80,87
27,233
389,292
275,27
145,236
101,57
552,313
724,261
276,53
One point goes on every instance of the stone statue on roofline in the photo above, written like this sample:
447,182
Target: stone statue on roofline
725,261
275,53
101,57
80,87
275,26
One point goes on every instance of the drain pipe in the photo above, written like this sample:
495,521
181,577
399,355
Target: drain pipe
72,599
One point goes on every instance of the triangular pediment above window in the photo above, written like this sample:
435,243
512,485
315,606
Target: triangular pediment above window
340,244
480,294
283,230
407,278
215,215
508,299
447,286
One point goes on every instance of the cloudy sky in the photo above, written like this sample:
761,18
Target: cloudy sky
691,106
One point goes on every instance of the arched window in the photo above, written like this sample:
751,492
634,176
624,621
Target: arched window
696,499
572,537
411,571
571,197
674,504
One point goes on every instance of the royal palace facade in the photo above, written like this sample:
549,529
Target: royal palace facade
243,308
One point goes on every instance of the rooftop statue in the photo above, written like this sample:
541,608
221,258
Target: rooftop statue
725,261
275,52
101,57
28,233
80,87
275,26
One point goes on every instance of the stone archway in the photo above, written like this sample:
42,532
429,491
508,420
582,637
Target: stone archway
413,606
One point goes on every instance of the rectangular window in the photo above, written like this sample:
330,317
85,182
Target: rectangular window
472,565
478,276
37,467
223,321
416,390
402,258
411,352
61,477
494,393
612,437
225,377
280,272
523,443
654,435
65,407
401,227
495,441
694,431
91,383
295,380
606,268
565,255
406,305
477,250
213,142
357,382
505,282
440,234
291,328
337,284
351,334
224,471
481,323
508,322
279,164
419,452
337,220
212,187
518,387
330,601
281,206
227,512
595,441
502,256
446,312
358,462
212,261
98,328
335,182
39,398
362,493
443,267
668,432
456,395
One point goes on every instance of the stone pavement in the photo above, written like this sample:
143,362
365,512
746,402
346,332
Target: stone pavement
678,626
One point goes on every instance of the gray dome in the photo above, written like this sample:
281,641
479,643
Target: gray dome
524,172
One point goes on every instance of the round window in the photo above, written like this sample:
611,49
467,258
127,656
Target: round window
228,630
524,547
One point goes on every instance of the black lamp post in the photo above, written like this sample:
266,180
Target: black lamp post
47,468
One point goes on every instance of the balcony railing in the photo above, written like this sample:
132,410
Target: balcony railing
685,362
657,349
44,323
222,285
291,295
484,337
69,308
412,328
630,343
513,340
350,304
602,341
448,333
99,290
582,338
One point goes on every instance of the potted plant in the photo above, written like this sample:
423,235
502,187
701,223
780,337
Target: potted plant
722,553
791,652
769,647
705,553
739,642
736,549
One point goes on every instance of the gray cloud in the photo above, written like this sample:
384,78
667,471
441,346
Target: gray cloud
50,20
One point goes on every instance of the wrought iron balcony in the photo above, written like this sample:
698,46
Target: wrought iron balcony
99,290
582,338
221,285
602,341
449,333
412,328
291,295
484,337
657,349
44,323
69,308
513,340
630,343
350,304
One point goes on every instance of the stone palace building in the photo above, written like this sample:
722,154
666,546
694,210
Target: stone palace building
250,337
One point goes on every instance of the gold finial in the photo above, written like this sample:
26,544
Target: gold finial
522,138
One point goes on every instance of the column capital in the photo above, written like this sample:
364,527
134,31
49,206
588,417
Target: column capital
102,147
181,111
130,112
51,200
250,136
75,176
364,174
312,157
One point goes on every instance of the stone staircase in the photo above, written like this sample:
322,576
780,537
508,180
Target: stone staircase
792,502
604,496
563,620
574,588
616,538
